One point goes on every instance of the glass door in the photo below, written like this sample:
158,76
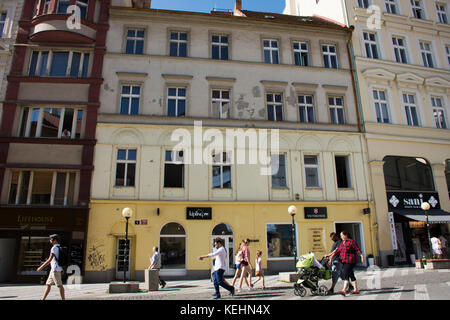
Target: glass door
123,259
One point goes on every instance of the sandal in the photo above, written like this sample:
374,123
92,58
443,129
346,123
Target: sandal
342,292
355,292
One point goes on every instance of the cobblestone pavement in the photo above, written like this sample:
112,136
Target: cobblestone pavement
382,284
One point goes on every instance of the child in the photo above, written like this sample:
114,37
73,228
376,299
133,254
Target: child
259,270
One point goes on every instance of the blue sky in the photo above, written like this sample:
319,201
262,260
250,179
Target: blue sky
275,6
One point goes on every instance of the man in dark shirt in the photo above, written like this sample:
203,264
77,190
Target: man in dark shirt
336,265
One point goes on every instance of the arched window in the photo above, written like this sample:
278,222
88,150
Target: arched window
408,174
173,246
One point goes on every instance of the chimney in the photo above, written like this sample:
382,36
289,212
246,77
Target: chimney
237,5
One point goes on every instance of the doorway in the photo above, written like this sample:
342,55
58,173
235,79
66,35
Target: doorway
225,232
7,251
123,259
355,230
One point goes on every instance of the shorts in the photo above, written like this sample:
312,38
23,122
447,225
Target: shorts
244,263
238,266
259,273
54,278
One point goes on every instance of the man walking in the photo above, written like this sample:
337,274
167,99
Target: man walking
220,256
56,270
336,265
155,264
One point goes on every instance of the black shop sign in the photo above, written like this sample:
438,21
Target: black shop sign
198,213
412,200
316,213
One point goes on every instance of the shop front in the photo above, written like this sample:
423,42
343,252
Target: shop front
408,224
24,240
185,230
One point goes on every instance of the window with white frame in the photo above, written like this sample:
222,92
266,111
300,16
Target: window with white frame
130,99
343,176
330,56
438,112
83,5
43,122
370,42
301,53
447,52
381,106
63,5
178,44
417,9
221,170
176,102
427,54
274,107
126,167
363,3
59,64
336,105
3,16
271,51
135,41
221,103
278,170
311,165
411,111
174,169
441,12
219,47
41,187
306,108
400,49
391,6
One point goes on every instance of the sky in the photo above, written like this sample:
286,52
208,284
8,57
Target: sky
275,6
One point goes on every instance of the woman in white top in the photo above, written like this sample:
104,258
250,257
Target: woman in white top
437,247
259,270
237,260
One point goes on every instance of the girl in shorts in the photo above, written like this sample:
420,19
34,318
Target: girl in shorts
259,270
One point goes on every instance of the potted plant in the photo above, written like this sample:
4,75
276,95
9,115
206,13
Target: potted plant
370,260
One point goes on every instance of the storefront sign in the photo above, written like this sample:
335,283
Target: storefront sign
316,240
316,213
393,232
411,200
198,213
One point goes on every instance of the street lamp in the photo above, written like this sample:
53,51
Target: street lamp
292,211
425,207
127,213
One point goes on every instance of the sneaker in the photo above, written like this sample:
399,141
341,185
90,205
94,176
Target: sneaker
239,290
355,292
232,292
216,297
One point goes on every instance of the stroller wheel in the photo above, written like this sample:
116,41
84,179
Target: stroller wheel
323,291
299,290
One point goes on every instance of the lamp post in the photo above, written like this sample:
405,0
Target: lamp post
127,213
425,207
292,211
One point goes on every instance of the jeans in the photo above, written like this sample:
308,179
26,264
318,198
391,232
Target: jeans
336,270
218,281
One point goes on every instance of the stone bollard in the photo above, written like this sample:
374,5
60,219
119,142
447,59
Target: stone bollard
151,280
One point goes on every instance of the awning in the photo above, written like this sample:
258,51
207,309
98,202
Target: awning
434,215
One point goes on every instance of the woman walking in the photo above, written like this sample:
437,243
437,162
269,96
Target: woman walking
237,260
259,270
246,265
347,251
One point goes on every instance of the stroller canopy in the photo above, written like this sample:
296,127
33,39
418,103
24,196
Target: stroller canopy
308,261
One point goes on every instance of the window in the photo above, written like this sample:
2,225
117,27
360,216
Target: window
178,44
447,52
271,51
343,171
412,117
336,106
174,169
51,123
441,12
2,23
279,241
47,6
42,188
438,112
173,246
329,56
404,173
399,49
381,106
363,3
370,43
306,108
427,55
391,6
126,167
274,107
311,164
417,9
59,64
301,57
63,5
219,47
221,103
135,41
130,99
176,102
83,5
221,170
279,170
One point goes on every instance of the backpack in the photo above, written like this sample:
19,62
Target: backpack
63,259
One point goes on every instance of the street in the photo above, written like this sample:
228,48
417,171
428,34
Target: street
383,284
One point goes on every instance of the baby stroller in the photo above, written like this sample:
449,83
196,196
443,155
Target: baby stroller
310,272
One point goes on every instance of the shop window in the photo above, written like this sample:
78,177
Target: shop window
126,167
173,246
408,174
343,176
279,171
174,169
34,251
279,241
